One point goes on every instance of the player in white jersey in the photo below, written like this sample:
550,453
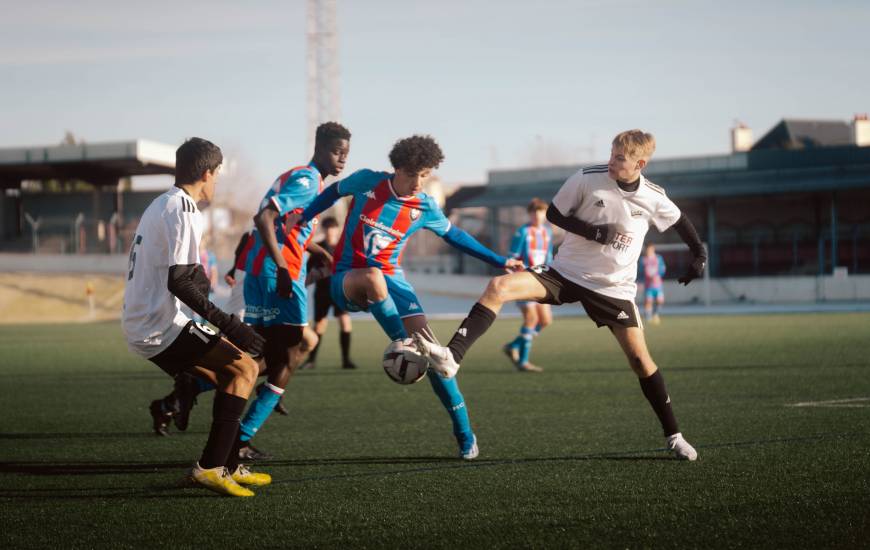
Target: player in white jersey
164,272
606,211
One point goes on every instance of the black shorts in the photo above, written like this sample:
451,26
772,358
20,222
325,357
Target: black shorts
191,345
323,300
604,310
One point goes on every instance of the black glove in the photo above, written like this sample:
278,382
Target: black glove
285,284
694,271
603,234
244,337
231,273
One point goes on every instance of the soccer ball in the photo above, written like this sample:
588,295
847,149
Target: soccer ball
399,368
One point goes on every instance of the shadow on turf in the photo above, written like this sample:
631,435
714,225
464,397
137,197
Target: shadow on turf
85,435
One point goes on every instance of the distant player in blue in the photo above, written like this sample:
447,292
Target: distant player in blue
533,245
386,210
652,268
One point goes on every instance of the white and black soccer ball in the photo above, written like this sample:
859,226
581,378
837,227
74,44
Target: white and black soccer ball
399,368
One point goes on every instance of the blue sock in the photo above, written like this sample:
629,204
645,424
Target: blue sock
538,329
203,385
387,316
259,410
526,346
517,342
450,396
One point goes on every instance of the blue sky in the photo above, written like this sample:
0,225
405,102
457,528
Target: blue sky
498,83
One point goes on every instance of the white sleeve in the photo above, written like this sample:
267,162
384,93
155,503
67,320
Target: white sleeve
666,214
567,200
183,245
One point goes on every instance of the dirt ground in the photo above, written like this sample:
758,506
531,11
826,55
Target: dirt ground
59,298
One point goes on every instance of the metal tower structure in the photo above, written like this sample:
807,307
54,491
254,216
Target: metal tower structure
324,102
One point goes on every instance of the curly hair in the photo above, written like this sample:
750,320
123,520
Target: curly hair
329,131
416,153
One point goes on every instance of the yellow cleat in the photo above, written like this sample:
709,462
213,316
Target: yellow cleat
244,476
219,481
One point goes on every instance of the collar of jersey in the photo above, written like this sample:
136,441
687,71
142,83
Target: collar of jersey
628,193
393,191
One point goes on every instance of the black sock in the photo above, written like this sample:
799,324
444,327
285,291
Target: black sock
344,340
226,416
654,390
233,457
478,321
312,355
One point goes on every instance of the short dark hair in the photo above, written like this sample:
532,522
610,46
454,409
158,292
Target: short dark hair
329,131
416,153
329,222
195,156
536,204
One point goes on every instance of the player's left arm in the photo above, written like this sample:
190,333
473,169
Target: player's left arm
436,222
324,254
689,234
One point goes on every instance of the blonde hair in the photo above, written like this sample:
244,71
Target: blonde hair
636,143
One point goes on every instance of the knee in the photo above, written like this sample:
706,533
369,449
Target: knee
642,367
248,370
497,288
309,340
544,322
376,286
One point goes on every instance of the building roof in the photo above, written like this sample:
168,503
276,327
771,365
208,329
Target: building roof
804,134
758,172
96,163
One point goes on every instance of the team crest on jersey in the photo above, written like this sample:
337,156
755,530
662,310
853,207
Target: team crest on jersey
375,242
415,214
636,213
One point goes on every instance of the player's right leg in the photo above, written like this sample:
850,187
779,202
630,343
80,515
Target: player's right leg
366,289
523,285
633,344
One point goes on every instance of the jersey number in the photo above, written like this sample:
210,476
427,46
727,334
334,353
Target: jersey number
132,263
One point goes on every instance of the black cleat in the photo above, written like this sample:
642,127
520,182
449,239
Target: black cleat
186,390
160,417
280,408
249,452
349,365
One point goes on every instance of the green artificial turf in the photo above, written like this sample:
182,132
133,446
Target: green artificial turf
572,457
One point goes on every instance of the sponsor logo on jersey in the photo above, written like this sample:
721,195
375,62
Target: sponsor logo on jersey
600,203
375,242
636,213
622,315
621,242
376,224
415,214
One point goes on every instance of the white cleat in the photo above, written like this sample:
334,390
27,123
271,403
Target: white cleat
471,453
440,358
681,448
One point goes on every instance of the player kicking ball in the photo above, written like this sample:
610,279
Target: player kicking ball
386,210
164,271
606,211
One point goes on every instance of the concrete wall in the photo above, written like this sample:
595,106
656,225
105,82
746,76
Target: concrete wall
762,290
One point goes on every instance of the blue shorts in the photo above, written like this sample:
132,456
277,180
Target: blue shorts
654,294
399,288
263,306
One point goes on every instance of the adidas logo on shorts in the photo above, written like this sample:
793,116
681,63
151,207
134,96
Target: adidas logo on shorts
622,315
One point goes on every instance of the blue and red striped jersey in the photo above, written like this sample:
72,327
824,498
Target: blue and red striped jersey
533,245
379,222
291,193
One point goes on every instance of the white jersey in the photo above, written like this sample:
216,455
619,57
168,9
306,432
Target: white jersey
591,196
168,234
